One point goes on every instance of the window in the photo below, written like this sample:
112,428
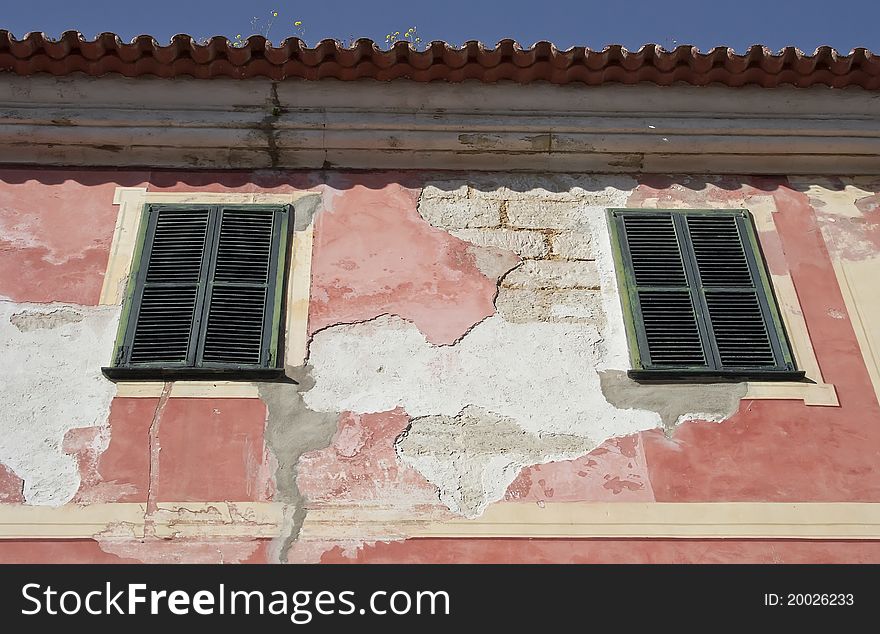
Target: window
205,294
696,296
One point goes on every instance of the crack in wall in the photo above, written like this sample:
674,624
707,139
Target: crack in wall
154,448
500,279
292,429
524,386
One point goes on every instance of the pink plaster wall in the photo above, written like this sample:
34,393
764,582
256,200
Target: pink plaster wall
616,471
10,486
360,464
609,551
373,255
55,233
779,450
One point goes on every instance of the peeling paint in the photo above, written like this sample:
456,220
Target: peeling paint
387,363
88,445
360,464
55,233
443,373
36,320
479,418
493,263
64,362
585,479
360,468
375,255
847,215
164,551
474,456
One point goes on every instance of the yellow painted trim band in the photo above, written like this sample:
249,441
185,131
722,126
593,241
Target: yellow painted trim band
188,389
587,520
566,520
127,520
858,285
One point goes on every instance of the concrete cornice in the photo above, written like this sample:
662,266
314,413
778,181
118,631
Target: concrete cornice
217,124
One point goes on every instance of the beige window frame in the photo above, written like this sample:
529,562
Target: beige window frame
131,201
813,390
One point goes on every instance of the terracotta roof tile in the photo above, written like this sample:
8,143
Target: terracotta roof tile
760,66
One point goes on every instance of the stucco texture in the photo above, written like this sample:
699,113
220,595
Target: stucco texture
466,350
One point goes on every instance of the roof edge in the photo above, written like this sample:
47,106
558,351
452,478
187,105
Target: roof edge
183,56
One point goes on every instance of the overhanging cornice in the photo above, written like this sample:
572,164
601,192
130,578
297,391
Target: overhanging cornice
232,124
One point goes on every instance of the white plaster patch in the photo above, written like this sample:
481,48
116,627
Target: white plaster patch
52,383
540,375
535,364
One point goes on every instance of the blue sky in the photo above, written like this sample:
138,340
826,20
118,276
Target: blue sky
707,23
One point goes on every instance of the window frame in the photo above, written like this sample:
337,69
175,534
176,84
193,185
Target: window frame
642,369
272,346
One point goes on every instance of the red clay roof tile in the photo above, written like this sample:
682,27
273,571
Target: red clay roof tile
760,66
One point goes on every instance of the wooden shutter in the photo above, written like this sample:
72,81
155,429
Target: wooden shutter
670,332
696,295
728,285
239,290
206,296
169,301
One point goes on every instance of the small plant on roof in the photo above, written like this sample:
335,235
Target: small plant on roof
300,29
410,35
264,27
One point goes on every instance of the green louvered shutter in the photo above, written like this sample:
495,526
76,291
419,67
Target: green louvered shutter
238,303
206,296
169,302
664,300
737,313
697,295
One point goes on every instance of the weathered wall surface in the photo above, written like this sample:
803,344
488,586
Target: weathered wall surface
52,384
521,387
467,353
